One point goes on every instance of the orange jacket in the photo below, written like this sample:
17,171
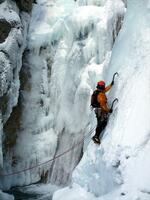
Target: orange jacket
102,99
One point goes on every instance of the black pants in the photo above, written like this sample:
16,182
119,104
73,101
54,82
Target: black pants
102,119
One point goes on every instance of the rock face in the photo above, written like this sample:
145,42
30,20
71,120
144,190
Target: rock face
25,5
4,31
13,33
1,1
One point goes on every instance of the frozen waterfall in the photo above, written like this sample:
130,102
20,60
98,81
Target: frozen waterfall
119,168
51,60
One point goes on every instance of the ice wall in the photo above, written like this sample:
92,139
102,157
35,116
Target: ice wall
79,64
118,169
68,47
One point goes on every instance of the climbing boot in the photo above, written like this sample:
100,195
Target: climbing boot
96,140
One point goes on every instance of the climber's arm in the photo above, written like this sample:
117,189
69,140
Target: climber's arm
108,87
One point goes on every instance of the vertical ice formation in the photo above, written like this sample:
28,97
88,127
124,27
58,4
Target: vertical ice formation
83,51
119,169
65,57
68,47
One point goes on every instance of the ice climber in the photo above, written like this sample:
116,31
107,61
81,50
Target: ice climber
101,108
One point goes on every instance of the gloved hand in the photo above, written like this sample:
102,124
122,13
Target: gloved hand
112,83
111,110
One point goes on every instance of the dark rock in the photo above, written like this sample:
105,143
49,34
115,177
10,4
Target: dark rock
116,164
117,27
25,76
3,103
11,127
44,177
5,28
25,5
123,194
1,1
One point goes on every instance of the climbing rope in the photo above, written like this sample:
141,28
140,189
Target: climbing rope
48,161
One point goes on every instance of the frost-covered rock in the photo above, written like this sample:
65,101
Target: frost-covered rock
11,56
5,29
4,196
1,1
13,35
25,5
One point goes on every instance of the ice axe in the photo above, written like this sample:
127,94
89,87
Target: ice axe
115,74
114,101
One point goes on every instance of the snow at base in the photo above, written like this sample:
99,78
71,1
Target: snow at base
119,168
